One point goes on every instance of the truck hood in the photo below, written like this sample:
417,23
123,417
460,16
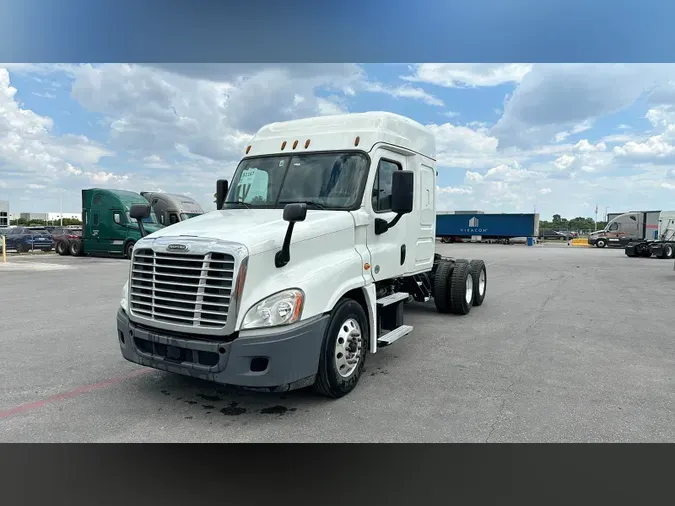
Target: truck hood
259,230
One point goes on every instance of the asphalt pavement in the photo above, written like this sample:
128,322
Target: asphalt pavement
571,344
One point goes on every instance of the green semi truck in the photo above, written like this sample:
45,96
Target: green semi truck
108,229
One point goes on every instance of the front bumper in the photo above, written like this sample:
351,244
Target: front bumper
592,240
285,360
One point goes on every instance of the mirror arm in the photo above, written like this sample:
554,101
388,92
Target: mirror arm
283,256
141,228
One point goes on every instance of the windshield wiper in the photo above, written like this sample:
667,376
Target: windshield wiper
241,203
308,202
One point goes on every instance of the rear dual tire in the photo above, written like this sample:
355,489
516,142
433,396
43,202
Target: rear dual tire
75,248
62,248
459,285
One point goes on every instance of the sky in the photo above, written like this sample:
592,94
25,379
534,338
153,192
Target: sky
551,138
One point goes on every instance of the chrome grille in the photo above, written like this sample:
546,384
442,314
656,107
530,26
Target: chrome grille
182,289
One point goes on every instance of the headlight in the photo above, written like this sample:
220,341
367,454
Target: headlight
125,296
282,308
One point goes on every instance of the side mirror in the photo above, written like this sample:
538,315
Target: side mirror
221,192
139,212
295,212
402,196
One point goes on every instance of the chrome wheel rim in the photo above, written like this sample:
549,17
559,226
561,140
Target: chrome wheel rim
468,292
348,348
481,282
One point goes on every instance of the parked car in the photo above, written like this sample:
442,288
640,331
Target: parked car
553,234
62,237
24,239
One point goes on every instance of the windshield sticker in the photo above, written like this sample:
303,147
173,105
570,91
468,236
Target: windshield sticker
247,176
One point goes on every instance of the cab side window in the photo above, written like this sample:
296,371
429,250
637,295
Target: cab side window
117,218
173,218
614,226
382,186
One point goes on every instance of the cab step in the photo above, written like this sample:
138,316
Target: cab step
394,335
392,299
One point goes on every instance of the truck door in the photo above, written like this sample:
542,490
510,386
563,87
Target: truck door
116,232
614,232
389,250
92,240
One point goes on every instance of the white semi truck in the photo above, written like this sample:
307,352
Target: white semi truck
326,231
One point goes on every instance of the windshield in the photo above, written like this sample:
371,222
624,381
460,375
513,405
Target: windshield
152,219
329,180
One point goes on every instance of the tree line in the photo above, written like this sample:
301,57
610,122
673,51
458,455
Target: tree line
574,225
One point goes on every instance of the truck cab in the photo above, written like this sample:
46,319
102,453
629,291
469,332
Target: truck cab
107,226
170,208
619,231
326,231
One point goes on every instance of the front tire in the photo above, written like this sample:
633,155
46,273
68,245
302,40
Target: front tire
601,243
129,249
343,351
668,251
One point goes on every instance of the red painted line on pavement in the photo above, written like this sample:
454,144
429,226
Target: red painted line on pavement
69,395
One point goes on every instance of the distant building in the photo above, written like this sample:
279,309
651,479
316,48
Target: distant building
33,216
48,217
4,213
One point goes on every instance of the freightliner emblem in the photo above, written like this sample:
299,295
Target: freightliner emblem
177,247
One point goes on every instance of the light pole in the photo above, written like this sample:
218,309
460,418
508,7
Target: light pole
606,207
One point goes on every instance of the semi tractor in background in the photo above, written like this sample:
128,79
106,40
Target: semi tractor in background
108,230
170,208
327,230
640,233
107,227
478,226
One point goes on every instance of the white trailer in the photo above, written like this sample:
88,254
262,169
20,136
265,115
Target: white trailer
325,232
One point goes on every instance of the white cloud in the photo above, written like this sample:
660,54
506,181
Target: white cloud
556,98
657,148
455,190
403,92
452,75
463,147
28,149
545,191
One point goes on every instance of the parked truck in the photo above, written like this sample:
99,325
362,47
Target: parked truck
625,228
170,208
640,233
107,226
326,231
